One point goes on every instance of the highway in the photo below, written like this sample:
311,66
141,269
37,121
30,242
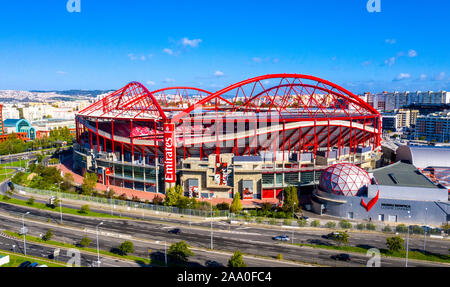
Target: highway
249,240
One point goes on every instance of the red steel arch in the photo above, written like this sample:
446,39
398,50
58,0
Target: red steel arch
257,86
132,101
182,95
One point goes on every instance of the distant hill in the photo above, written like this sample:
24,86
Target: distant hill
92,93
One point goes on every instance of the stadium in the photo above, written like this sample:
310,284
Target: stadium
254,137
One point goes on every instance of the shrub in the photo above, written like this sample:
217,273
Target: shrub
259,220
417,229
287,222
387,228
236,260
272,221
280,256
223,206
330,224
360,226
157,200
126,247
395,243
370,226
401,228
301,222
345,224
180,251
315,223
47,236
30,201
85,242
84,209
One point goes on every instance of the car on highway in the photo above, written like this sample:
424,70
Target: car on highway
331,235
35,264
175,231
341,257
24,264
281,238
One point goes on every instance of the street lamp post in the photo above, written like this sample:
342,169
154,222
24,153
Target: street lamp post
98,249
212,246
165,252
23,231
291,224
425,231
407,243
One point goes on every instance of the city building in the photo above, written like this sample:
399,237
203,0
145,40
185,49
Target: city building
393,101
433,127
253,137
19,126
398,193
434,162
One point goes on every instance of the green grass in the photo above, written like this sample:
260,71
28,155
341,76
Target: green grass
65,210
401,254
6,171
15,260
20,163
146,261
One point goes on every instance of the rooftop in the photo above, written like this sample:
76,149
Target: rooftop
402,174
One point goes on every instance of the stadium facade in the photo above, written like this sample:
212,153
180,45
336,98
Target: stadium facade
254,137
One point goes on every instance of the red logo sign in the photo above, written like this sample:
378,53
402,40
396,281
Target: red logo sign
371,203
169,153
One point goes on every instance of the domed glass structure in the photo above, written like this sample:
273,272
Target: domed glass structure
344,179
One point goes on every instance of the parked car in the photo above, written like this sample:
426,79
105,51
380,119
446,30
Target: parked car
281,238
304,217
175,231
43,265
33,265
24,264
341,257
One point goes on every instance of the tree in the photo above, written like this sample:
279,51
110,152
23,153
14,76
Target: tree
173,195
84,209
126,247
341,238
236,205
47,236
89,182
30,201
236,260
290,198
85,242
223,206
395,244
180,251
330,224
157,200
345,224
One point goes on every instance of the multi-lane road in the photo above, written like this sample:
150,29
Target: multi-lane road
151,234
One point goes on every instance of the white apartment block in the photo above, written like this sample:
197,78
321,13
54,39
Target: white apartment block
392,101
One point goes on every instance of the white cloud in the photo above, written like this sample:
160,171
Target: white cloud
168,51
390,61
412,53
440,77
191,43
219,73
61,72
422,77
390,41
257,60
132,57
151,83
169,80
402,76
276,60
266,82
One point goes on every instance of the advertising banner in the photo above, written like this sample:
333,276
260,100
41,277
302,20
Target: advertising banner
169,152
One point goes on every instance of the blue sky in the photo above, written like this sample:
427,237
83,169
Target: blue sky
211,44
